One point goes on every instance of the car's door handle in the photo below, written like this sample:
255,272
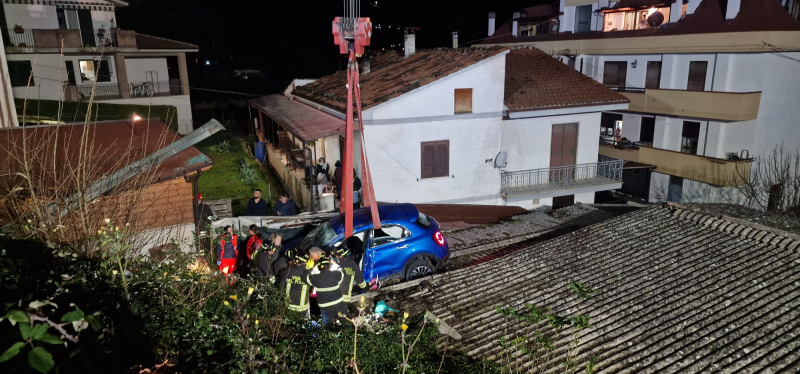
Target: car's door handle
402,247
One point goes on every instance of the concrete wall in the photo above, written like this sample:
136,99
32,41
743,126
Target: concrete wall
137,69
31,16
182,103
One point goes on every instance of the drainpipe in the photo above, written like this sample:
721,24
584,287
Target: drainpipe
713,75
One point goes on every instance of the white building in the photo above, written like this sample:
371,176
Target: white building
437,122
75,47
712,83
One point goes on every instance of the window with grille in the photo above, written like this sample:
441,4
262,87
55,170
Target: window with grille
463,100
19,72
436,159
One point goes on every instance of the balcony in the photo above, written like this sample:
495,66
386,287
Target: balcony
714,171
71,38
135,89
722,106
563,180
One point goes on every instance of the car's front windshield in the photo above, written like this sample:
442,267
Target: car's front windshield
318,237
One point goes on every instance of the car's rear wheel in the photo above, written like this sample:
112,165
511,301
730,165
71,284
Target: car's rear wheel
419,268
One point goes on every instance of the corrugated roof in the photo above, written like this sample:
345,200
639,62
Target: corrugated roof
535,80
677,291
144,41
113,145
303,121
392,75
754,15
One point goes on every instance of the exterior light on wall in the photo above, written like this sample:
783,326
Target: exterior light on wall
633,64
136,117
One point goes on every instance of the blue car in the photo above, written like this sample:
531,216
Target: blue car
408,246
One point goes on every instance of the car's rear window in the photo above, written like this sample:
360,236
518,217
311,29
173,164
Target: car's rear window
423,220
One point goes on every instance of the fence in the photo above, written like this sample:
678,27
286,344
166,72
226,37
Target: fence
161,88
21,39
101,90
606,170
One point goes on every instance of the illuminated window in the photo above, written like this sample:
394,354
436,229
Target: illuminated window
87,70
636,19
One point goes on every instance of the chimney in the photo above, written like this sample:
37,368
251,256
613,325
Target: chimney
410,42
455,39
731,8
516,15
523,14
365,65
515,24
491,23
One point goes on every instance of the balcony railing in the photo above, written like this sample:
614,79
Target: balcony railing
21,39
528,182
101,91
161,88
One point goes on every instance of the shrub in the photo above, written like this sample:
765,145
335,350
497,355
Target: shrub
247,174
222,147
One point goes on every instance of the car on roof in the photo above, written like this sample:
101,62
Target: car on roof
409,244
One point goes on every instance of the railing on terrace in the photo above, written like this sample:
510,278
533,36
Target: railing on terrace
607,170
21,39
106,38
101,91
623,144
161,88
626,89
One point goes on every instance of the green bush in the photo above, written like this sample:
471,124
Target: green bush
247,173
64,313
222,147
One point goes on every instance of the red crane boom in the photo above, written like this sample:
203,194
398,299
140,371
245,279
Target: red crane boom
352,34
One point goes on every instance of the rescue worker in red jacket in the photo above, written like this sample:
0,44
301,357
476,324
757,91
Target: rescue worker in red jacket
294,283
327,283
253,244
227,251
352,273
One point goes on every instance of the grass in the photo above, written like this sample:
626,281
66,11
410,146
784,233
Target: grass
222,181
76,111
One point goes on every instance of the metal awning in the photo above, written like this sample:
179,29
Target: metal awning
305,122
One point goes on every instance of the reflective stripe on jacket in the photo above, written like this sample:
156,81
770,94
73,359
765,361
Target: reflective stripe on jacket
297,289
352,276
327,284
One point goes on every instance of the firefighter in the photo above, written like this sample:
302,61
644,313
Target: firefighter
228,252
327,283
265,259
297,289
253,245
352,273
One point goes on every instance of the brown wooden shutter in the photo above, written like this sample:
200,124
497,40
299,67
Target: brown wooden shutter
556,143
570,148
428,155
463,100
653,79
442,161
697,76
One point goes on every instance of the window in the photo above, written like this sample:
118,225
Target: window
690,137
697,76
92,70
19,72
87,70
648,129
70,72
607,123
615,73
388,234
653,79
583,18
436,159
463,100
636,19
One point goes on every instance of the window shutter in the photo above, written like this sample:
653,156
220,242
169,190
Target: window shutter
653,78
428,155
442,159
463,100
697,76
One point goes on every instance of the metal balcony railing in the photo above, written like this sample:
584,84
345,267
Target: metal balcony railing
101,91
21,39
623,144
149,89
525,182
106,38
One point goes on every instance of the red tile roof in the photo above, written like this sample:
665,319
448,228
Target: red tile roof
392,75
754,15
535,80
300,119
113,146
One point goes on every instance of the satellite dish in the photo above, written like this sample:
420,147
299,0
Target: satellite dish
554,28
656,19
500,160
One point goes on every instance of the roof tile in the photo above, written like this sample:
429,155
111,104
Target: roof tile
535,80
302,120
391,76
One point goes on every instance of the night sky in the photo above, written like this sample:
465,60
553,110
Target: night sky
293,39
